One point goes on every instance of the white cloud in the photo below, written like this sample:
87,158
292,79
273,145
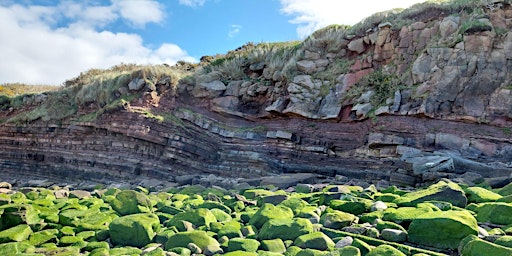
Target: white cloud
235,29
140,12
36,47
310,15
192,3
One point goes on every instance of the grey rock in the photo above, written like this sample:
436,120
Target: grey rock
378,206
393,235
344,242
136,84
357,45
429,162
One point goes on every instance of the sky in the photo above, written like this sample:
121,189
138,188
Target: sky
51,41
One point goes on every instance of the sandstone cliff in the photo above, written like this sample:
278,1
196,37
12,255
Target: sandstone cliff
410,97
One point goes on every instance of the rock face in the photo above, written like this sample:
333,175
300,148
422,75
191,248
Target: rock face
410,105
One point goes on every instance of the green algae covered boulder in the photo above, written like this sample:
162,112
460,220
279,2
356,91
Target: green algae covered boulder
385,250
130,202
353,207
198,217
337,219
127,250
497,213
349,251
241,253
506,190
473,246
243,244
15,234
481,195
43,236
14,248
441,191
15,214
407,214
134,230
182,239
274,245
504,241
286,229
442,230
311,252
316,240
268,212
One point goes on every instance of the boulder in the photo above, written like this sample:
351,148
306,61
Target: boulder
316,240
349,251
385,250
243,244
393,235
473,246
182,239
442,229
198,217
496,213
337,219
286,229
136,84
274,245
15,234
481,195
441,191
428,162
344,242
134,230
268,212
407,214
130,202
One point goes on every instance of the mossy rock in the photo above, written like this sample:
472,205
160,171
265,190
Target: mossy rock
241,253
214,205
267,253
505,199
67,231
192,190
349,251
316,240
231,229
71,217
94,245
497,213
371,216
443,229
183,251
96,221
504,241
274,245
43,236
182,239
15,214
382,224
268,212
311,252
407,214
74,241
337,219
473,246
387,197
15,234
243,244
506,190
60,251
131,202
220,215
15,248
441,191
362,246
295,204
127,250
353,207
134,230
385,250
481,195
286,229
257,193
292,250
198,217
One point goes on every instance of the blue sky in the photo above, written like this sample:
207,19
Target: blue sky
50,41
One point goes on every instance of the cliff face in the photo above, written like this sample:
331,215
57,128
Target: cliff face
409,104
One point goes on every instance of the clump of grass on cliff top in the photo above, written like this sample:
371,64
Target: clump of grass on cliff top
234,65
13,89
96,89
402,17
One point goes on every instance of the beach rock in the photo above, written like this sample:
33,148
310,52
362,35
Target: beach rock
316,240
286,229
199,238
134,230
442,229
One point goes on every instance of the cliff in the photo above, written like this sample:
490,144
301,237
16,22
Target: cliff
407,96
